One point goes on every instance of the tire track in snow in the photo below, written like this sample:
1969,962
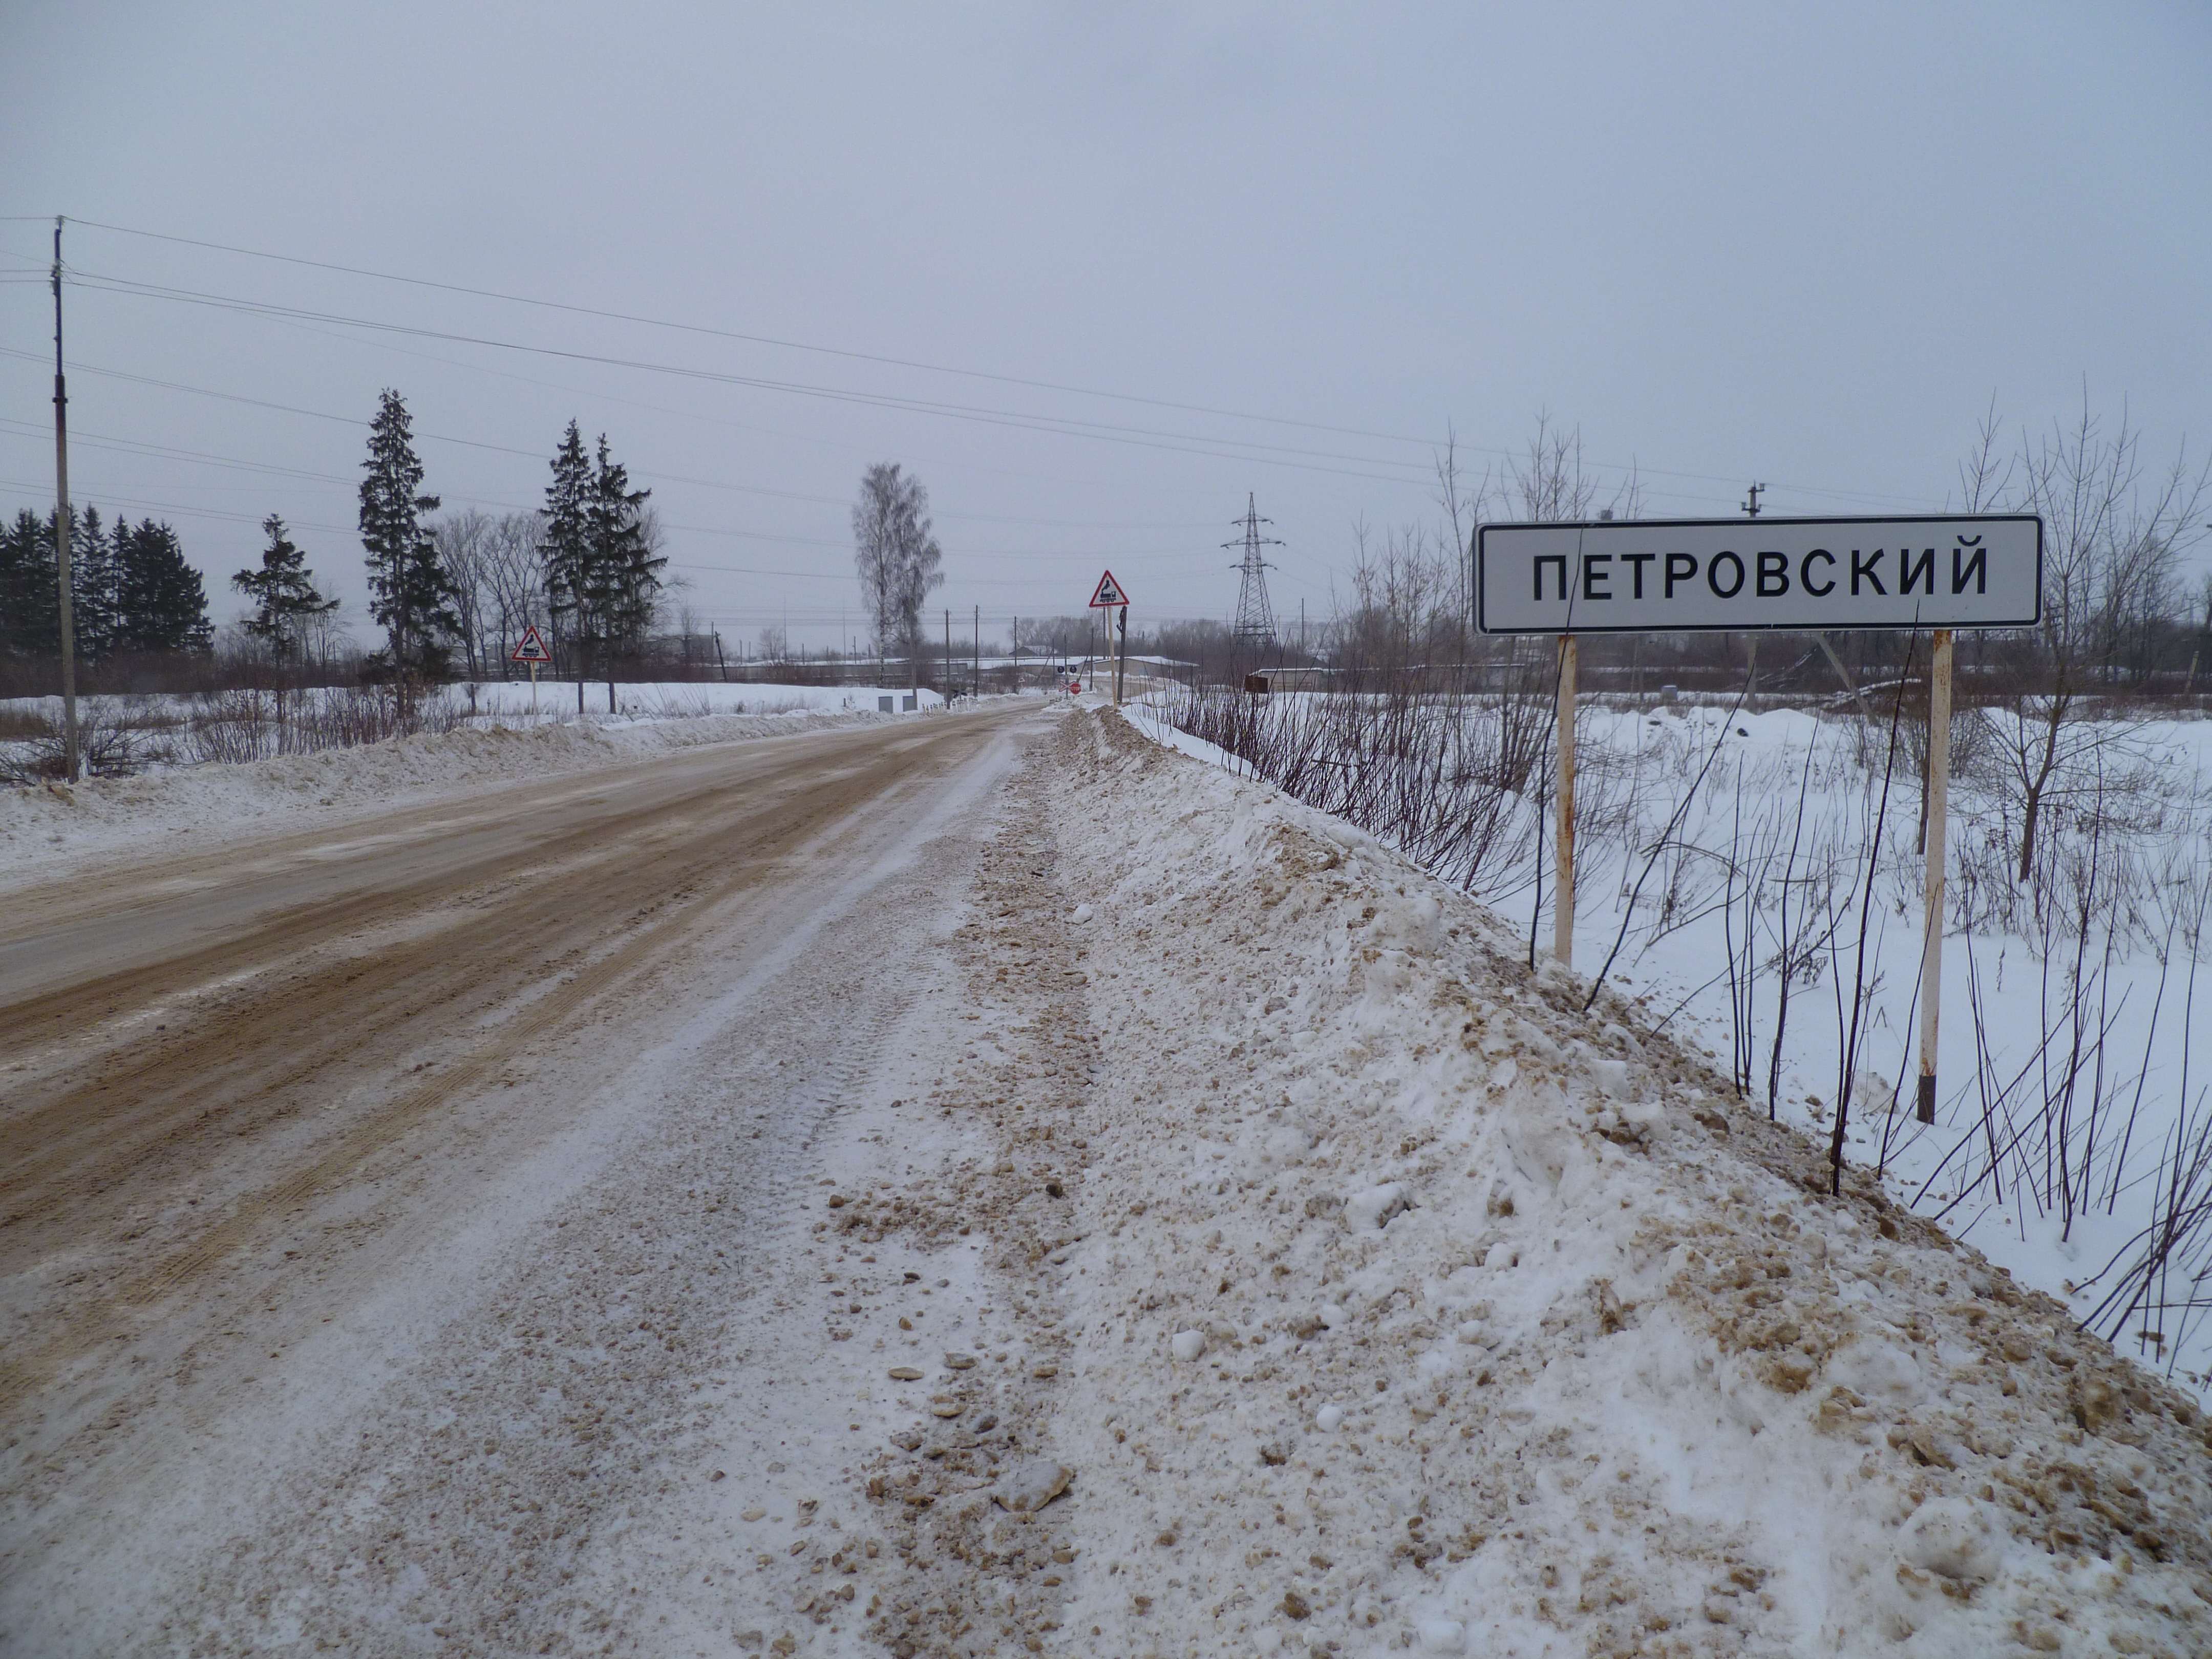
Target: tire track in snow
542,1404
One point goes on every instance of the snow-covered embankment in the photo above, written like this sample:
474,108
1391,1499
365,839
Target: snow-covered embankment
1409,1305
46,829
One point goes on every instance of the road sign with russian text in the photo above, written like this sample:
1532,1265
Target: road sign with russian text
1700,575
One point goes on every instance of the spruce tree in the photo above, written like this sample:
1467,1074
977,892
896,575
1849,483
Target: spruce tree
564,551
96,601
30,590
412,597
602,575
283,592
161,603
626,570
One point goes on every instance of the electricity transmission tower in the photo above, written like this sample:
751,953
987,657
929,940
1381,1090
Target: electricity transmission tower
1255,618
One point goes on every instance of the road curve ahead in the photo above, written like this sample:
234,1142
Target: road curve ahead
273,1114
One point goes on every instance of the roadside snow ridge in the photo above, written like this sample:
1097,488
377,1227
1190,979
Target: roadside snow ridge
1517,1336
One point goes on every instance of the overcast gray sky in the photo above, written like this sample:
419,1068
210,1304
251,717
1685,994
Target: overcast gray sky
1802,245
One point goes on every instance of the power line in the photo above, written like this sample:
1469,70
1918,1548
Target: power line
1173,441
163,451
757,339
1044,424
787,434
1063,425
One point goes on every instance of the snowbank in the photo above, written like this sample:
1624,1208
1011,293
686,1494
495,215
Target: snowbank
2050,1061
681,699
1409,1306
43,829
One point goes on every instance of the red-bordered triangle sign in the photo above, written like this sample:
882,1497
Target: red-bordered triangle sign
531,648
1110,591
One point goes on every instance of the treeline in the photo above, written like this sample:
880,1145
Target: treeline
450,594
2124,614
130,587
131,590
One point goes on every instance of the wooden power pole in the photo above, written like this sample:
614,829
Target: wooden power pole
70,756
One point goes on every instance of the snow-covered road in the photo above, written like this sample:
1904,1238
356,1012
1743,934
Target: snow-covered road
392,1214
714,1227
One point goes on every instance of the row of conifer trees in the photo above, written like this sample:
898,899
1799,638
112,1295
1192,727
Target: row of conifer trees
597,570
130,588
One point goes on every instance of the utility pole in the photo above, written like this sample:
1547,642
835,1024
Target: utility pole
948,654
1750,502
70,757
979,651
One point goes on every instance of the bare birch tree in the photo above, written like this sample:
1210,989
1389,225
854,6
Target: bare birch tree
514,576
1552,485
461,539
897,558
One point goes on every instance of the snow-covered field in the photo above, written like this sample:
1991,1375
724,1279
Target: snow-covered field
2078,1071
499,700
679,699
47,827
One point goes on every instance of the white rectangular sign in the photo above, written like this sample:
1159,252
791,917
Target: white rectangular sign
1662,574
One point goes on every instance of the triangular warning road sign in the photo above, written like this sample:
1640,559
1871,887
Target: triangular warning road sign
1110,591
531,648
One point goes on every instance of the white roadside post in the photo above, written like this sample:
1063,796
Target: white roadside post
1562,870
1796,575
1939,796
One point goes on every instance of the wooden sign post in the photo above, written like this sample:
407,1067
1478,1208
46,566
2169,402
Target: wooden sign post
1939,799
1563,873
1799,575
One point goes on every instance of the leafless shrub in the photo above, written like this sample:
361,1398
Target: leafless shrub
228,727
1423,770
677,706
117,737
2114,540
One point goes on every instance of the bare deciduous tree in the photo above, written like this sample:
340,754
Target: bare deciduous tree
515,577
1551,485
897,558
499,583
461,538
2112,551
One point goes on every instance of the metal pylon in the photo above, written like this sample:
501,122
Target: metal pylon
1255,618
